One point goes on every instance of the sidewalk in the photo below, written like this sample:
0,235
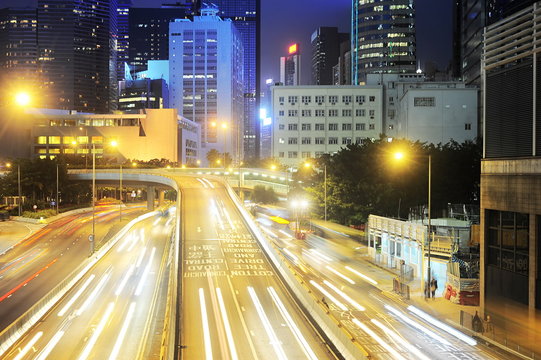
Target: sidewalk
439,307
12,232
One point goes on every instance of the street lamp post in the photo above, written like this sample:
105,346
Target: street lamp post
120,196
325,189
429,222
92,237
57,189
19,188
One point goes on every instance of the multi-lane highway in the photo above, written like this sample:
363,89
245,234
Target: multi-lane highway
386,326
31,268
234,306
116,309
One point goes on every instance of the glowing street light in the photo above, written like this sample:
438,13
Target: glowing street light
22,99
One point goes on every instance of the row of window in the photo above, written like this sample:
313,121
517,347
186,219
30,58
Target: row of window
321,140
331,112
331,127
68,140
320,99
304,154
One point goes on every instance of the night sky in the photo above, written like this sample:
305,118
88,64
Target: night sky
288,21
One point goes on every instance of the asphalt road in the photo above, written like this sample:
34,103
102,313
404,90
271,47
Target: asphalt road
116,310
234,306
38,263
386,326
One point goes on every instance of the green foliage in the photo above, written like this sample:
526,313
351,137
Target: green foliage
39,214
366,179
264,195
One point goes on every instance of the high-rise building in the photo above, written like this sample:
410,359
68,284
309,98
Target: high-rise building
18,49
203,90
510,245
147,93
325,53
290,66
123,41
246,17
77,54
149,33
342,70
382,38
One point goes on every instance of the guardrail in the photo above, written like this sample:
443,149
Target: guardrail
345,344
19,327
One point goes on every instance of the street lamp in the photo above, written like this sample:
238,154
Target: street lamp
400,156
22,99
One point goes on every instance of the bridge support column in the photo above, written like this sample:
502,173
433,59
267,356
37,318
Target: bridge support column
150,197
161,197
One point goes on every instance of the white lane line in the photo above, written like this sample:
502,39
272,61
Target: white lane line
370,280
123,331
227,325
320,255
468,340
267,325
205,323
145,273
140,260
28,346
124,280
76,296
97,332
50,346
294,328
420,327
340,274
382,342
228,218
346,297
92,295
329,295
399,339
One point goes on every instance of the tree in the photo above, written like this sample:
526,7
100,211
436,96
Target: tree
264,195
212,157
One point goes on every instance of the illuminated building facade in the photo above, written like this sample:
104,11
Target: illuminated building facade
77,54
382,38
18,48
143,94
209,93
123,42
290,66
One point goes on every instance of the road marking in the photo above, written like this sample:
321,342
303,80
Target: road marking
355,304
397,338
329,295
382,342
145,273
372,281
124,280
296,331
267,325
28,346
340,274
94,293
205,323
50,346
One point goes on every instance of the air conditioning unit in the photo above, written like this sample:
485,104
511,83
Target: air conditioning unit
347,103
305,103
320,103
281,103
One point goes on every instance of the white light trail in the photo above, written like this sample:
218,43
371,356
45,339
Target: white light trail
468,340
399,339
123,331
97,332
50,346
312,256
93,294
145,273
289,237
267,325
420,327
76,296
370,280
216,213
140,260
202,183
228,217
205,323
322,256
341,275
346,297
28,346
128,239
124,280
270,232
382,342
208,182
227,325
329,295
296,331
290,254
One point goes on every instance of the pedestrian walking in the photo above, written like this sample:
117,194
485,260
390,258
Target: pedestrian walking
433,287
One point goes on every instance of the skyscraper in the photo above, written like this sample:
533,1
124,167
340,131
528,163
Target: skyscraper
246,17
18,48
123,42
77,54
326,43
382,38
203,90
290,66
149,33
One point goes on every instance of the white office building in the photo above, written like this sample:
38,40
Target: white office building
432,112
309,121
206,79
